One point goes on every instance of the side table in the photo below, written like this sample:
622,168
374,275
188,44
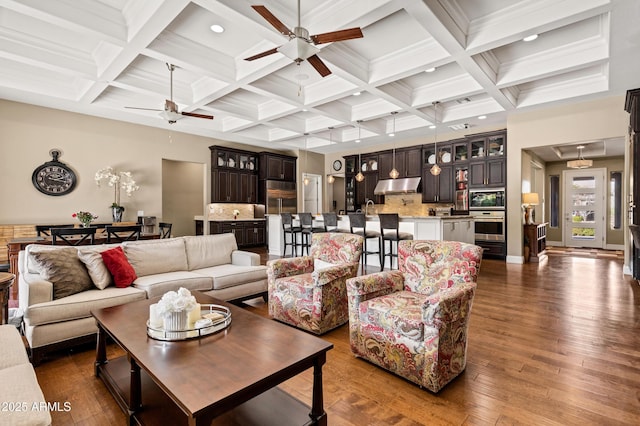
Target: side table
6,280
536,235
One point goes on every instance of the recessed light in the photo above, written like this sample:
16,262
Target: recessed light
304,110
357,140
432,69
530,38
392,134
433,126
482,117
356,94
217,28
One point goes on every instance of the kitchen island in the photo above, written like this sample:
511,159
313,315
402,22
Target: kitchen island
450,228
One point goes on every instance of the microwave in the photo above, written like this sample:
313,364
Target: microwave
486,199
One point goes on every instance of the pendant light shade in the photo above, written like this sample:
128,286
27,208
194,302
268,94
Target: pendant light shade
580,163
435,170
331,179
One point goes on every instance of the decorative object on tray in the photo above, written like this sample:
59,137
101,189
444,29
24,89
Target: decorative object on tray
236,212
118,180
85,218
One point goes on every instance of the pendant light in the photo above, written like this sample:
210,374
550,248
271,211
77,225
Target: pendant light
306,178
435,170
393,174
580,163
359,176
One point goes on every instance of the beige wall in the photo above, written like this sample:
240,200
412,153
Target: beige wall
183,195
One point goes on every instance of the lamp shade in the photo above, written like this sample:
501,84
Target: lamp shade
530,198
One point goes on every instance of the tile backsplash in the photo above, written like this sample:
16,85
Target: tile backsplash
405,205
224,211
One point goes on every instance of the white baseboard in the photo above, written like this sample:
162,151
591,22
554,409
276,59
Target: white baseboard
614,247
515,259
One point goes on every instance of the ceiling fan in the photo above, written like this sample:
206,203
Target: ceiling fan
170,111
301,46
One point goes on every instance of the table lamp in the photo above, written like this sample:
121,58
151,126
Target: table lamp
529,199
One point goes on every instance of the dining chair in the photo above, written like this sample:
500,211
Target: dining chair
44,230
73,236
120,234
165,229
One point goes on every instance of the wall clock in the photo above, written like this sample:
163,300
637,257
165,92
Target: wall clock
337,165
53,177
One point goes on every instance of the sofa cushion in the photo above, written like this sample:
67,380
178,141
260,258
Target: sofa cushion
80,305
13,350
64,270
24,388
228,275
119,267
151,257
92,259
204,251
159,284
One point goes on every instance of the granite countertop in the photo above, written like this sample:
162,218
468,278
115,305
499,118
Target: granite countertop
257,219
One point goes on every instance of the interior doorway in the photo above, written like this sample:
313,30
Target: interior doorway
312,194
584,208
183,195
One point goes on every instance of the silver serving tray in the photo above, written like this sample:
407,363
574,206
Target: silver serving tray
193,333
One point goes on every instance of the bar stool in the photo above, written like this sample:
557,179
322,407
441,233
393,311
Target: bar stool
358,226
389,228
331,222
292,231
307,229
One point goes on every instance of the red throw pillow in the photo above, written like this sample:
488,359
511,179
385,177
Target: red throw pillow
121,270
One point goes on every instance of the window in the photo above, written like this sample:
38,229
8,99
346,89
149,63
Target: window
554,205
615,214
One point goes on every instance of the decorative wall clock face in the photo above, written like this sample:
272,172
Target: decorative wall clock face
53,177
337,165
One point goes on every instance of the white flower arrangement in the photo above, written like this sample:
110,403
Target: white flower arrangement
179,301
236,212
119,180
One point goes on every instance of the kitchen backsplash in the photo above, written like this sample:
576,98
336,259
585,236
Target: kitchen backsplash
405,205
224,211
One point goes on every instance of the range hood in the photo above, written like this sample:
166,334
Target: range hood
397,186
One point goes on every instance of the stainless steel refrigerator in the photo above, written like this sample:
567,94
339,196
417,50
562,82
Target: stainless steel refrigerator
281,197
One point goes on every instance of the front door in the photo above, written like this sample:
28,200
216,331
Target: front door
584,199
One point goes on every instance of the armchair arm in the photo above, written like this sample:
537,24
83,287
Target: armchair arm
245,258
290,266
326,275
366,287
449,305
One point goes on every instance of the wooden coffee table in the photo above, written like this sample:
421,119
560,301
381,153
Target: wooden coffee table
228,378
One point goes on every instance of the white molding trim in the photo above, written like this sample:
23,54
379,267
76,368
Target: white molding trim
515,259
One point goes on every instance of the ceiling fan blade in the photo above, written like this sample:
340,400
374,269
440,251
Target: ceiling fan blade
270,17
340,35
262,55
144,109
317,63
193,114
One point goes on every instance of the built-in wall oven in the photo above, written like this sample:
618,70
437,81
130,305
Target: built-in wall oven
489,225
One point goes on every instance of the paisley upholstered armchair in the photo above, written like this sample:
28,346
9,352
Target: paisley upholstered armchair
413,321
309,292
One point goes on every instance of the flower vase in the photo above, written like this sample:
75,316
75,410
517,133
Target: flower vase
176,321
116,212
85,224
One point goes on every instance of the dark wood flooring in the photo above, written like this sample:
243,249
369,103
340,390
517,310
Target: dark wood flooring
556,343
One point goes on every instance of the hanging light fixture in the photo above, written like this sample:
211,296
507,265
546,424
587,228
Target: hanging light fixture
359,138
393,174
580,163
435,170
359,176
330,179
306,178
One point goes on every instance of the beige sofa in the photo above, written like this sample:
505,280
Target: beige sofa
22,400
210,263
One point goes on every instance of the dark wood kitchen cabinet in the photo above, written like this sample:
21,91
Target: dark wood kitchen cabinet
234,175
277,167
248,233
440,188
487,165
407,160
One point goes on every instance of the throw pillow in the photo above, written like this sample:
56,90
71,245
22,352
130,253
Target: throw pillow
98,272
64,270
121,270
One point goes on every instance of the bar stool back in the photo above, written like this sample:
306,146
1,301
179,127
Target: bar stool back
358,226
307,229
331,222
292,232
390,230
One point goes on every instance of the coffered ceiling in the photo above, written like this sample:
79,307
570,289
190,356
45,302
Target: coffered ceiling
99,56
